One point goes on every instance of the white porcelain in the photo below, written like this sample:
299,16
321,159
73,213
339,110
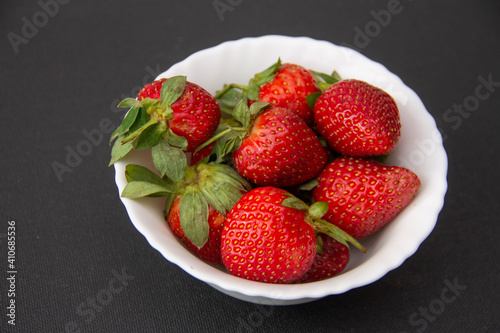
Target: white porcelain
419,149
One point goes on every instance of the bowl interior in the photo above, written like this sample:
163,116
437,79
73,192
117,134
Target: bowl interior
420,149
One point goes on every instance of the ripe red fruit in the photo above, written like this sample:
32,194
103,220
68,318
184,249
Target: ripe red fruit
364,195
265,241
279,149
289,88
331,261
357,119
195,115
211,250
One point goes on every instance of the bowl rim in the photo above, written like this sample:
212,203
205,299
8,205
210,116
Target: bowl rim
341,283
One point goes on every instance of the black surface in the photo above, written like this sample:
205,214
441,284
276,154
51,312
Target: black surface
73,235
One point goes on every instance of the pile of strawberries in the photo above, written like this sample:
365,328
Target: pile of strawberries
271,180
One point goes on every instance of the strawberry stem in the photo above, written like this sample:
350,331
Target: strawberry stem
218,136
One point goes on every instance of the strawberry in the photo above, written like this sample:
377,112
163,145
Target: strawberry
195,114
168,113
357,119
272,146
196,206
279,150
270,236
284,85
331,259
265,241
364,195
289,89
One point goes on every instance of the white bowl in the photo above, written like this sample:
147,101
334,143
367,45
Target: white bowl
419,149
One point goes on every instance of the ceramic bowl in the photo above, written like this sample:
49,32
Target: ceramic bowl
419,149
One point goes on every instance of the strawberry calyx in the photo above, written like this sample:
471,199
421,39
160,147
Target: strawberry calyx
313,216
232,94
146,126
203,185
231,132
323,81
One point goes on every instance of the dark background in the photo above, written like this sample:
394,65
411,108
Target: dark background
73,234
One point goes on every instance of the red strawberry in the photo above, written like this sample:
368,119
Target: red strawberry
364,195
358,119
332,260
196,206
211,250
265,241
289,88
279,150
168,114
284,85
269,236
171,116
195,115
270,146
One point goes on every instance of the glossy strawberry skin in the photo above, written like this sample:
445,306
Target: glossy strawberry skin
331,262
264,241
196,114
358,119
280,150
210,252
364,195
289,89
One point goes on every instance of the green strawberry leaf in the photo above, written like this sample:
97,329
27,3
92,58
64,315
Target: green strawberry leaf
221,186
336,233
119,150
194,218
307,186
231,145
141,120
311,99
267,74
325,80
129,103
169,161
253,91
129,119
295,203
149,102
137,132
140,189
229,99
257,108
325,77
171,90
242,113
318,209
149,137
134,172
176,140
216,198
